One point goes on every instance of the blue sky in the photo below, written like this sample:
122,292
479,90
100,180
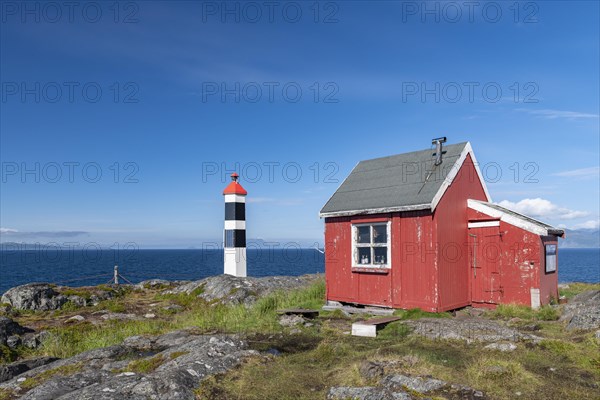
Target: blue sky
164,99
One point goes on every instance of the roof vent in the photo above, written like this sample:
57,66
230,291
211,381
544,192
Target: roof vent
438,149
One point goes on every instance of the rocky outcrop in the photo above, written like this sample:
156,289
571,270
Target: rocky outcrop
169,366
9,371
230,289
583,311
34,296
13,335
10,328
404,387
469,330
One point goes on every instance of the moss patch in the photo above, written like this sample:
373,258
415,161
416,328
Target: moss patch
145,365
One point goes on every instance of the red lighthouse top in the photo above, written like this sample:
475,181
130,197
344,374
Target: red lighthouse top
234,187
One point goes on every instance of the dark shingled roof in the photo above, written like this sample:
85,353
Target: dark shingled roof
393,182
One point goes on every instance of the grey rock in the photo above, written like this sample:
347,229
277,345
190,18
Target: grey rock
504,347
155,284
365,393
417,383
34,340
119,316
583,311
468,329
75,318
291,320
230,289
34,296
150,316
371,370
8,371
78,301
102,373
13,341
597,334
10,328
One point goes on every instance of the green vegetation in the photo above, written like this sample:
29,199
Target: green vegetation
563,365
576,288
7,354
66,370
84,293
145,365
417,313
176,354
509,311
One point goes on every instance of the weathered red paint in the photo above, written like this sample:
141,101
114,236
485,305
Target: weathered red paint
432,257
520,262
451,220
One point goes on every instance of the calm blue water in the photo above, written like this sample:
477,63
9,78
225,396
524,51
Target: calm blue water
78,268
81,268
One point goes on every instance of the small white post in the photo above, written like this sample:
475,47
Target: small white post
116,278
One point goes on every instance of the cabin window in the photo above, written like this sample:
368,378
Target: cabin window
551,258
371,245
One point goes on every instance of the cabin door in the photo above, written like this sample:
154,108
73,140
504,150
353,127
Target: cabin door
484,260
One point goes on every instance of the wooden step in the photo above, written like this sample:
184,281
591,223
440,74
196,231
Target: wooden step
370,327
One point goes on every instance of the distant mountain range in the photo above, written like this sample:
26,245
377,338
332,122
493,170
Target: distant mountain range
581,238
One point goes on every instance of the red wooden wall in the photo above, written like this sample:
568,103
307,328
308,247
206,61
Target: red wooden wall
451,219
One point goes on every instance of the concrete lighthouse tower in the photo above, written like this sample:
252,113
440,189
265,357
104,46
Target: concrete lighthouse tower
234,237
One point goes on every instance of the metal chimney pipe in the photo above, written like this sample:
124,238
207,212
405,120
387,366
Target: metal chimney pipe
438,149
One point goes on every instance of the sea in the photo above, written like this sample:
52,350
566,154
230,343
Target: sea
78,267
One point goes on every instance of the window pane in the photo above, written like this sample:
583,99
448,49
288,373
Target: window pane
380,255
551,258
364,255
379,234
364,235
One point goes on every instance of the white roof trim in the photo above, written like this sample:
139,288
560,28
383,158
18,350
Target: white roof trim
508,218
375,211
468,150
484,224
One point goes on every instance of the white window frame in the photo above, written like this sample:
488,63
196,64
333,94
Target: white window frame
371,245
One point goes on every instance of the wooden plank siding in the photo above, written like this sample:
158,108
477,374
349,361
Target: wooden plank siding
451,220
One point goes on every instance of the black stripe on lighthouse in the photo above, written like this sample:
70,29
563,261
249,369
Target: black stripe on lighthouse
235,238
235,211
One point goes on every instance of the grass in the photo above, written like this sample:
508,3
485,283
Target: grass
576,288
83,293
417,313
509,311
65,370
67,341
7,354
564,365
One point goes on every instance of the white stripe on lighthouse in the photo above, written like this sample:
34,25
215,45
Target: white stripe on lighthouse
234,198
235,225
235,261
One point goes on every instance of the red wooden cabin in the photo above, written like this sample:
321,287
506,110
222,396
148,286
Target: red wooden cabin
418,230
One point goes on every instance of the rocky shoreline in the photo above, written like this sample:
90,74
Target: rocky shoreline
175,363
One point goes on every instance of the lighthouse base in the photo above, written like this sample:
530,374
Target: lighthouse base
235,261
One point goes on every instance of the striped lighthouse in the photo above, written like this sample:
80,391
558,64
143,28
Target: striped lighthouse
234,237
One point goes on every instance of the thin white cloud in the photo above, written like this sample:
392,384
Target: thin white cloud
7,230
541,208
592,172
591,224
555,114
